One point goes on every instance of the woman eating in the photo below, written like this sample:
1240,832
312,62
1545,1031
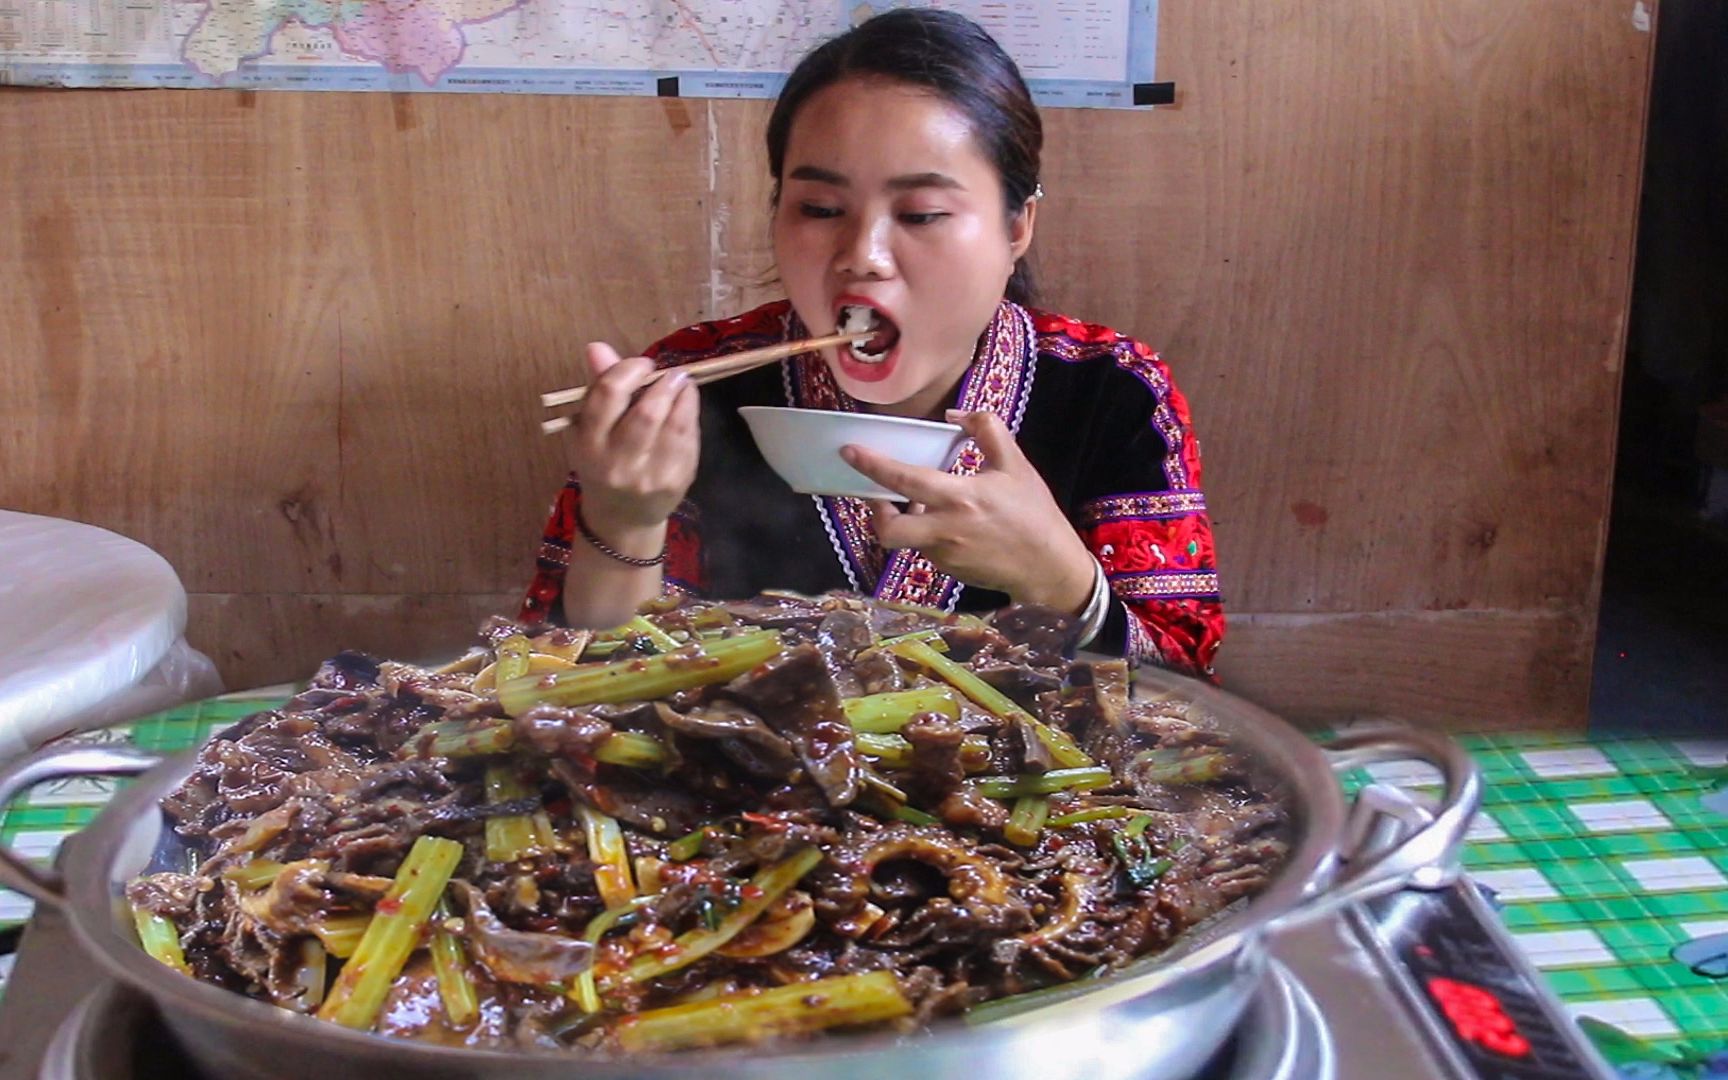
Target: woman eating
905,157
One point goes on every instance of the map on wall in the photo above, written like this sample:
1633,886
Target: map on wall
1072,52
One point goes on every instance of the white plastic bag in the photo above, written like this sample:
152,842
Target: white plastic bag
90,631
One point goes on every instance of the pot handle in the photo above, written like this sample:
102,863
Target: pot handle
1392,839
57,763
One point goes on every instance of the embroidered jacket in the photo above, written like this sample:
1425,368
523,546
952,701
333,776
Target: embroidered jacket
1094,411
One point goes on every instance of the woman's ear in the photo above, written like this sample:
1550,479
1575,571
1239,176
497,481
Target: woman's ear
1020,227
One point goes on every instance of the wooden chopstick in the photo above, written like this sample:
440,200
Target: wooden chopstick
705,371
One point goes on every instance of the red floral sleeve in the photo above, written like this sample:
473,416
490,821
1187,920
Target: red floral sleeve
1151,533
1157,554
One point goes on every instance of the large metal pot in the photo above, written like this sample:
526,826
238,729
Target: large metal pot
1163,1016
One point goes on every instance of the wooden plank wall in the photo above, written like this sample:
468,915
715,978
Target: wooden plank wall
292,341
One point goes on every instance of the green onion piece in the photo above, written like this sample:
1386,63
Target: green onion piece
1012,787
1137,826
642,678
687,847
512,658
341,934
397,922
1058,742
631,749
160,938
871,779
891,750
612,873
661,639
883,713
1091,813
587,994
1030,812
514,836
913,815
1139,865
450,961
769,884
800,1008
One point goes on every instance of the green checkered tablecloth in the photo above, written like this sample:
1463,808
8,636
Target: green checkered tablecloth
1609,858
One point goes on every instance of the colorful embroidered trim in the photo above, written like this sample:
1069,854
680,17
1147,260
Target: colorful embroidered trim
1162,504
1164,584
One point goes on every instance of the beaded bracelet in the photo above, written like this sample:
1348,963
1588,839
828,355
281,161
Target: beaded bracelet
611,552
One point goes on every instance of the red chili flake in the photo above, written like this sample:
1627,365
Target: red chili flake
767,821
752,892
390,905
588,762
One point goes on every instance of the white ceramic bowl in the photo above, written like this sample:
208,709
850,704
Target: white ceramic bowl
803,446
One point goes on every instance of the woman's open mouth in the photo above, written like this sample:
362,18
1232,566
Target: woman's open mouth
863,319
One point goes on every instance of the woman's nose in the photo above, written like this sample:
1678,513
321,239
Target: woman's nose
865,251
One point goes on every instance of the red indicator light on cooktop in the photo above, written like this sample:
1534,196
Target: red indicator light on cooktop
1476,1015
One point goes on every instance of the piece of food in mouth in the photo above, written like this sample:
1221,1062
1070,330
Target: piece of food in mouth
722,823
863,319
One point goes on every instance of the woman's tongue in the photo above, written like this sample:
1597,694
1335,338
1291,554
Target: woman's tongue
882,340
883,333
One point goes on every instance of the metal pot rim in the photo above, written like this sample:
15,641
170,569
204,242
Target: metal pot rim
1225,947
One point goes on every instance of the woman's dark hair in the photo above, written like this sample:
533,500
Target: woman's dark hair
951,56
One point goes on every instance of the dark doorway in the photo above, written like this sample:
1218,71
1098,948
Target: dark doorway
1662,646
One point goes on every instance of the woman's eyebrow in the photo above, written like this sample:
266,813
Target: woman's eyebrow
820,175
898,183
924,180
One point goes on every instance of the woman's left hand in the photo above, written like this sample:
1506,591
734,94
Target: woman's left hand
999,529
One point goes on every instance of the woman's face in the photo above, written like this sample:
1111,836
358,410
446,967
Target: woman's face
891,216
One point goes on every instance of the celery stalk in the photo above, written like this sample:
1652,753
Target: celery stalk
160,938
796,1009
1058,742
769,884
1030,813
394,933
1091,813
612,873
450,961
1012,787
643,678
661,639
890,750
341,934
632,749
884,713
255,874
512,658
460,738
513,836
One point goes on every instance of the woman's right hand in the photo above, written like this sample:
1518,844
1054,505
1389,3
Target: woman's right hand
635,456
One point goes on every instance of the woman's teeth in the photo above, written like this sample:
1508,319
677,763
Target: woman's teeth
861,320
